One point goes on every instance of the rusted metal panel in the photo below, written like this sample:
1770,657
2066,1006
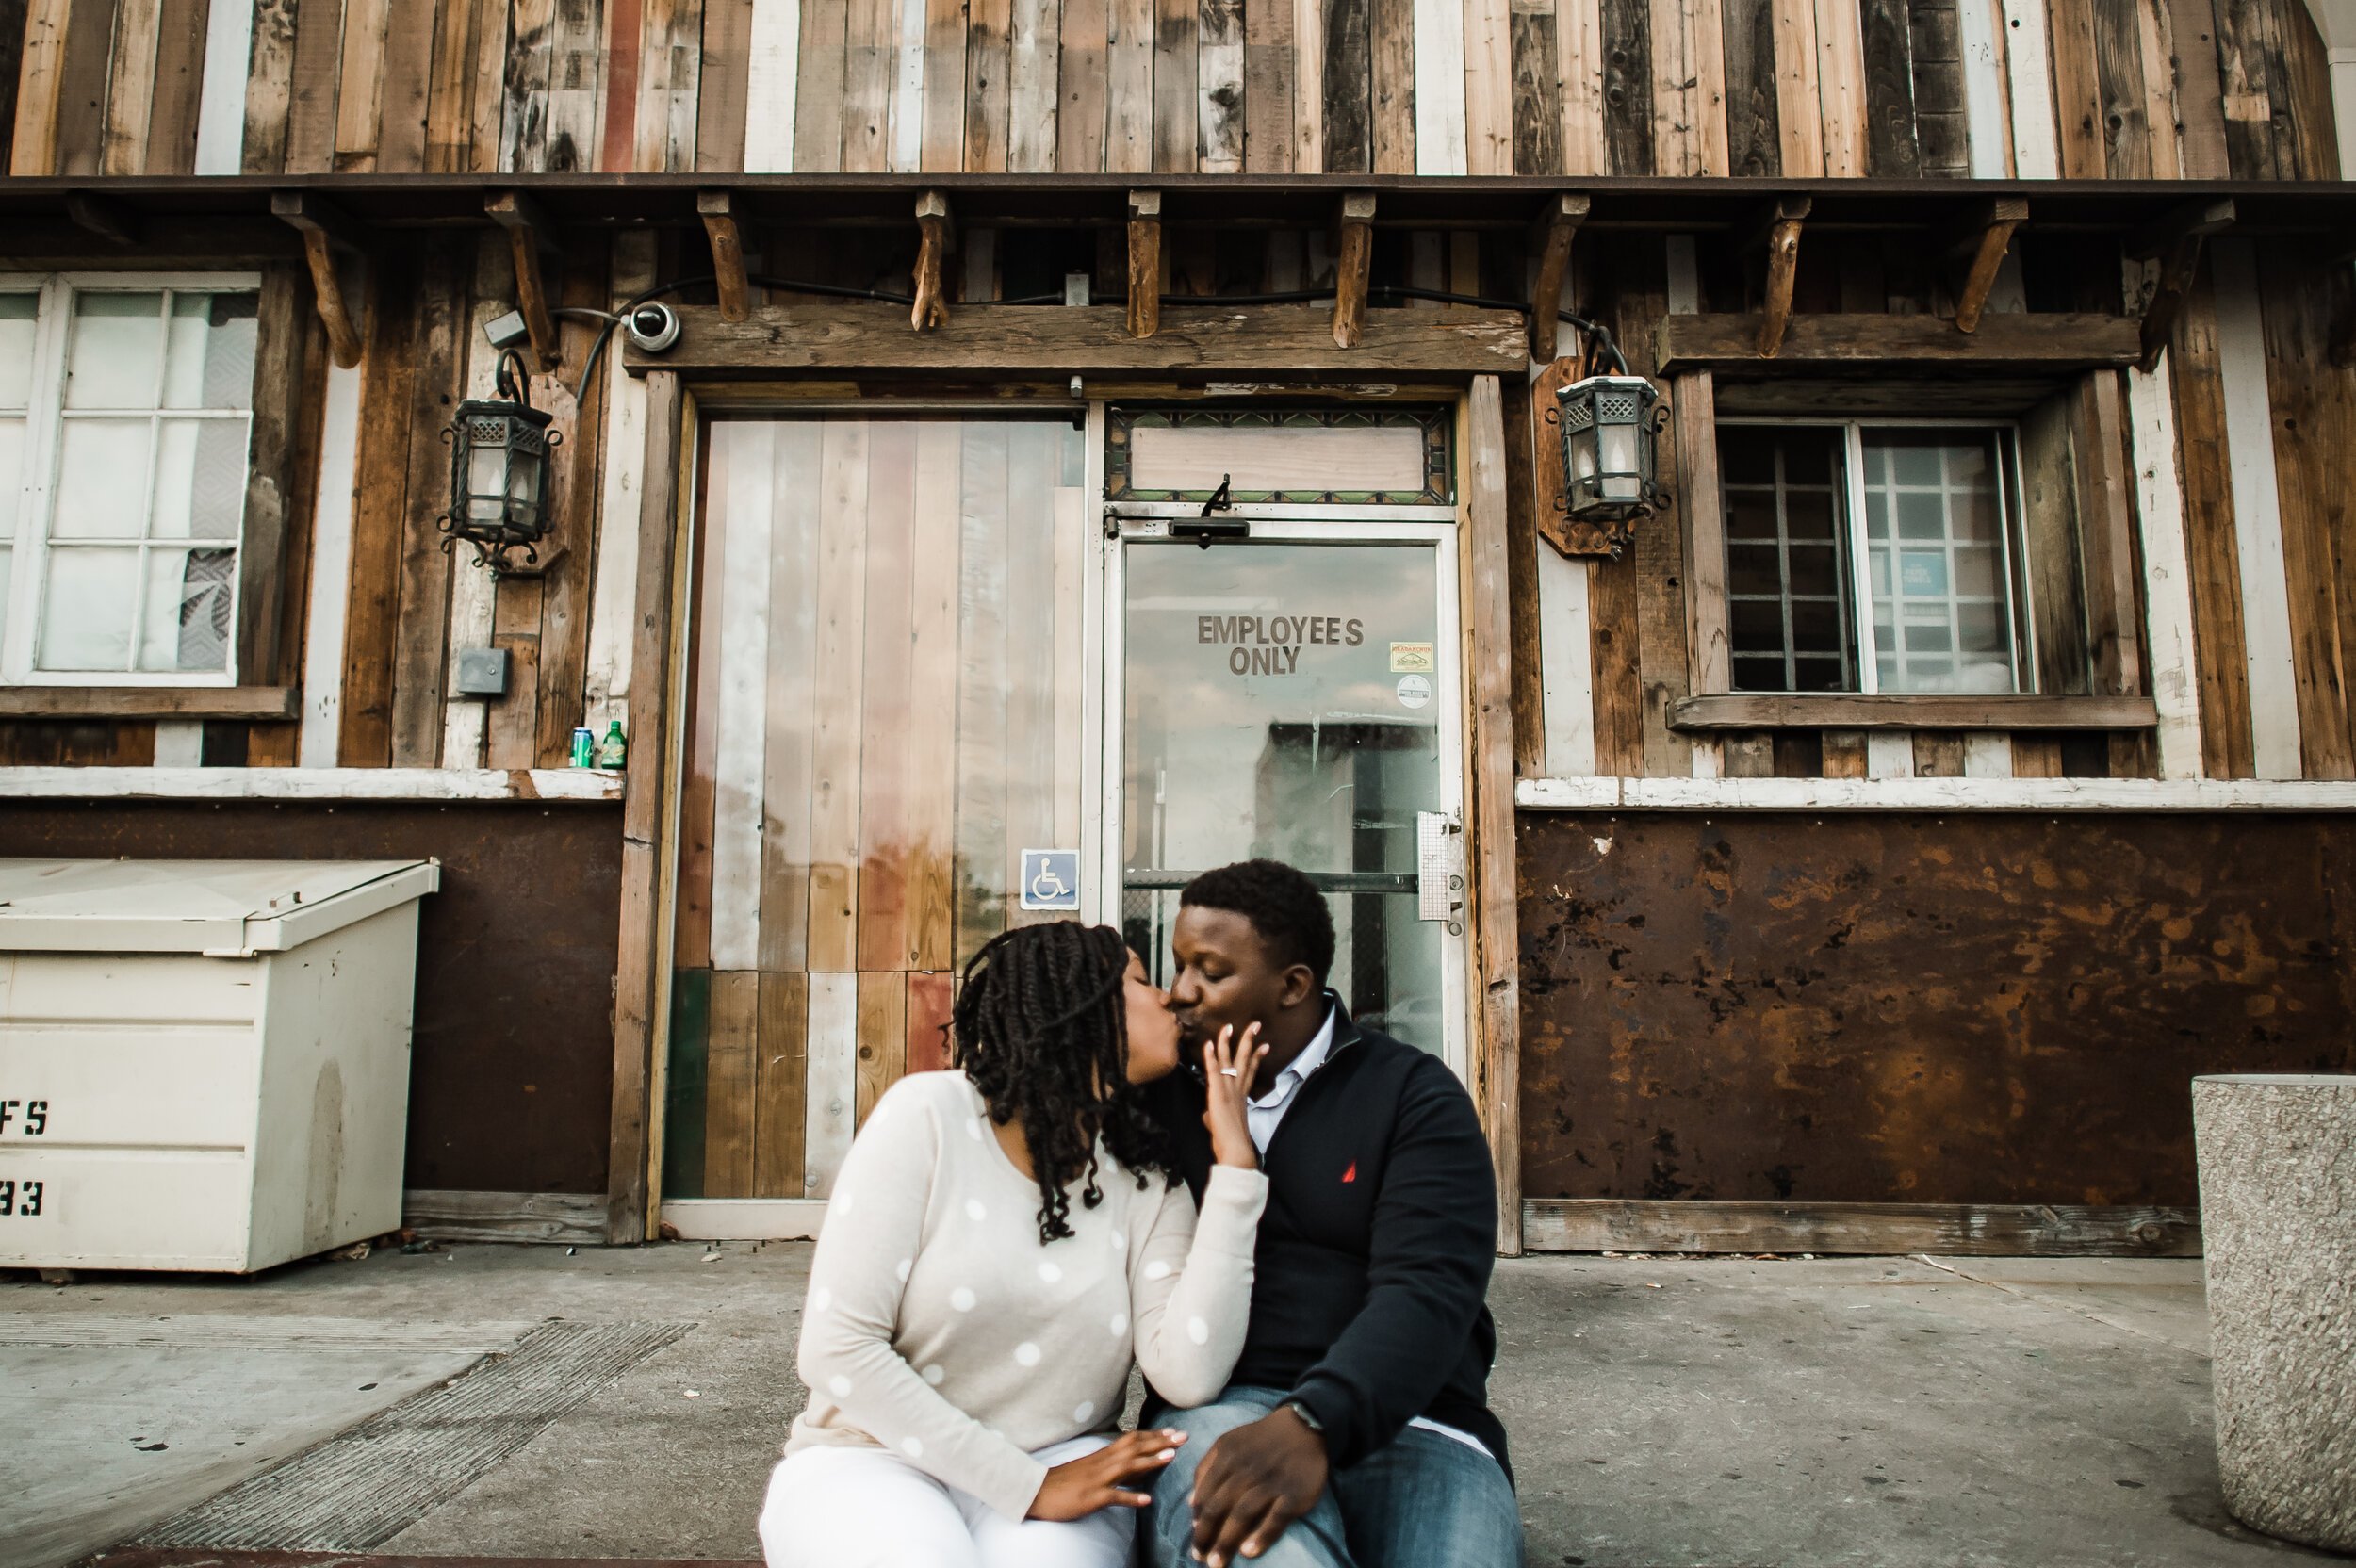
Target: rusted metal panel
1933,1009
511,1079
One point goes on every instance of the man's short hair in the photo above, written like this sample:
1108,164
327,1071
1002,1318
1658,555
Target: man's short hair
1282,903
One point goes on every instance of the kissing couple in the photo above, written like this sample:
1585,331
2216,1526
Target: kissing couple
1286,1220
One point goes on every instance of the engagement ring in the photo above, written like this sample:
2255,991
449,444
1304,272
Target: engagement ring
1229,1072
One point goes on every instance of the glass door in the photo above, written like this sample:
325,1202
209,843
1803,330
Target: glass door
1293,695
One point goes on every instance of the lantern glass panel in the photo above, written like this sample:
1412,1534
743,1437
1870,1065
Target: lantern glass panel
1622,478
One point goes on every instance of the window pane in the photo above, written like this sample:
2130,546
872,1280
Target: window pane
18,311
200,479
1950,594
1788,588
188,610
86,614
112,360
208,361
102,480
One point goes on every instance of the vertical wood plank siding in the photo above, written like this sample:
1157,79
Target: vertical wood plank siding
2122,89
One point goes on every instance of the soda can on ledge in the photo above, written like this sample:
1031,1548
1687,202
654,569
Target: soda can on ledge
584,748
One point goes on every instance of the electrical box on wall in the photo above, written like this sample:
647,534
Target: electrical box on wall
481,673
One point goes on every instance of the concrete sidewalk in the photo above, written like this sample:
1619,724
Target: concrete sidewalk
1886,1412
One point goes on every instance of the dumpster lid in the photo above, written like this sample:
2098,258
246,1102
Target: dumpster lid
222,907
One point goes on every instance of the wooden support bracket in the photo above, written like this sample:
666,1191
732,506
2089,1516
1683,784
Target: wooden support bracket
2174,240
936,235
1145,263
1981,243
1353,264
718,210
325,230
104,217
1551,233
532,239
1779,232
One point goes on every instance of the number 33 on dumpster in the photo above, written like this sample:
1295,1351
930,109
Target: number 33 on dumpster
20,1200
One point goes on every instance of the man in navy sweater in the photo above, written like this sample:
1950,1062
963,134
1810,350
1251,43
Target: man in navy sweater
1355,1432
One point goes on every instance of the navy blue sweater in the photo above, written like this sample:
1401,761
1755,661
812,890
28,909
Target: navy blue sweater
1372,1268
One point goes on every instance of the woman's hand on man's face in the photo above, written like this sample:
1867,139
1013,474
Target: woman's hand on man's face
1229,1066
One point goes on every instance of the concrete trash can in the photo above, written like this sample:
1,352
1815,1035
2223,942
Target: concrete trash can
203,1064
2278,1223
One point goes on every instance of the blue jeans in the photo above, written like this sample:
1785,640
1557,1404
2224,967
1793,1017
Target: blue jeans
1420,1501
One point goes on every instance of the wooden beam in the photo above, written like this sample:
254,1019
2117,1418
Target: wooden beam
1887,1230
1551,233
103,215
646,788
1985,242
1766,710
1257,341
1145,263
1779,232
530,237
2041,344
1485,591
1352,264
2192,220
548,1218
265,704
932,311
718,210
2174,240
325,230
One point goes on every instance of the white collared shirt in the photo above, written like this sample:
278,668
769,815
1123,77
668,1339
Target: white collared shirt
1265,1113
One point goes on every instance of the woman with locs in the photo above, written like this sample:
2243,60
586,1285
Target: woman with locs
1004,1240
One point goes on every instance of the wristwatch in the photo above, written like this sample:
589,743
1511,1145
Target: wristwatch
1306,1416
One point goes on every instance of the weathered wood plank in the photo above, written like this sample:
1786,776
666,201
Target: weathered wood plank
2028,79
1129,86
1176,111
1628,107
2004,343
1488,88
794,335
883,1036
1347,100
181,28
2210,528
1890,146
39,84
244,703
731,1061
1764,711
81,102
780,1082
1537,90
818,90
1754,131
2309,397
1799,111
931,789
869,60
269,87
723,95
985,608
835,785
1083,52
2257,510
988,22
1675,146
545,1219
1269,83
2049,529
1832,1229
418,662
1218,85
890,728
1840,85
1579,54
1407,113
830,1111
1941,94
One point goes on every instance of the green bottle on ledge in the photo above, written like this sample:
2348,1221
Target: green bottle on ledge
614,751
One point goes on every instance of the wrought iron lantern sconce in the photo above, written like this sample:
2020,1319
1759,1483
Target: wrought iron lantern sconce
498,472
1611,428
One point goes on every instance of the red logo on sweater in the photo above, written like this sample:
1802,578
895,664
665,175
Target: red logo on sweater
1351,1174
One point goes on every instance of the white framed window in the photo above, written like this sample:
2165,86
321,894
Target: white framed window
1874,556
127,412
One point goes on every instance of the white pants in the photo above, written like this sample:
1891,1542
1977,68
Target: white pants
864,1508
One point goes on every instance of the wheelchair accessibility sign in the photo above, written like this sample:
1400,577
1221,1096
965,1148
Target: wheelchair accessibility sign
1050,879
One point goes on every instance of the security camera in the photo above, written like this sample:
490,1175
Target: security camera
652,328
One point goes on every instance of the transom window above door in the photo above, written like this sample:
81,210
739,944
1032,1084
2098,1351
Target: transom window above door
1347,456
127,407
1872,557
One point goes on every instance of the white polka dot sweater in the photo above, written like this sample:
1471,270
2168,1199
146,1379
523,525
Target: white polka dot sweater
939,1327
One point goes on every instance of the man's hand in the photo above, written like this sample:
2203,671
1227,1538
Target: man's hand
1253,1483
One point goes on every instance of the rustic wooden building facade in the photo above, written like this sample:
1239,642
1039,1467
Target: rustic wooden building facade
1862,858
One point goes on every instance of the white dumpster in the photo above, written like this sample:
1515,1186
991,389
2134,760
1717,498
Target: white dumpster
203,1064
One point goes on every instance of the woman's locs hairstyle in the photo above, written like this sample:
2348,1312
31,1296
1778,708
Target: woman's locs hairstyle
1041,1028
